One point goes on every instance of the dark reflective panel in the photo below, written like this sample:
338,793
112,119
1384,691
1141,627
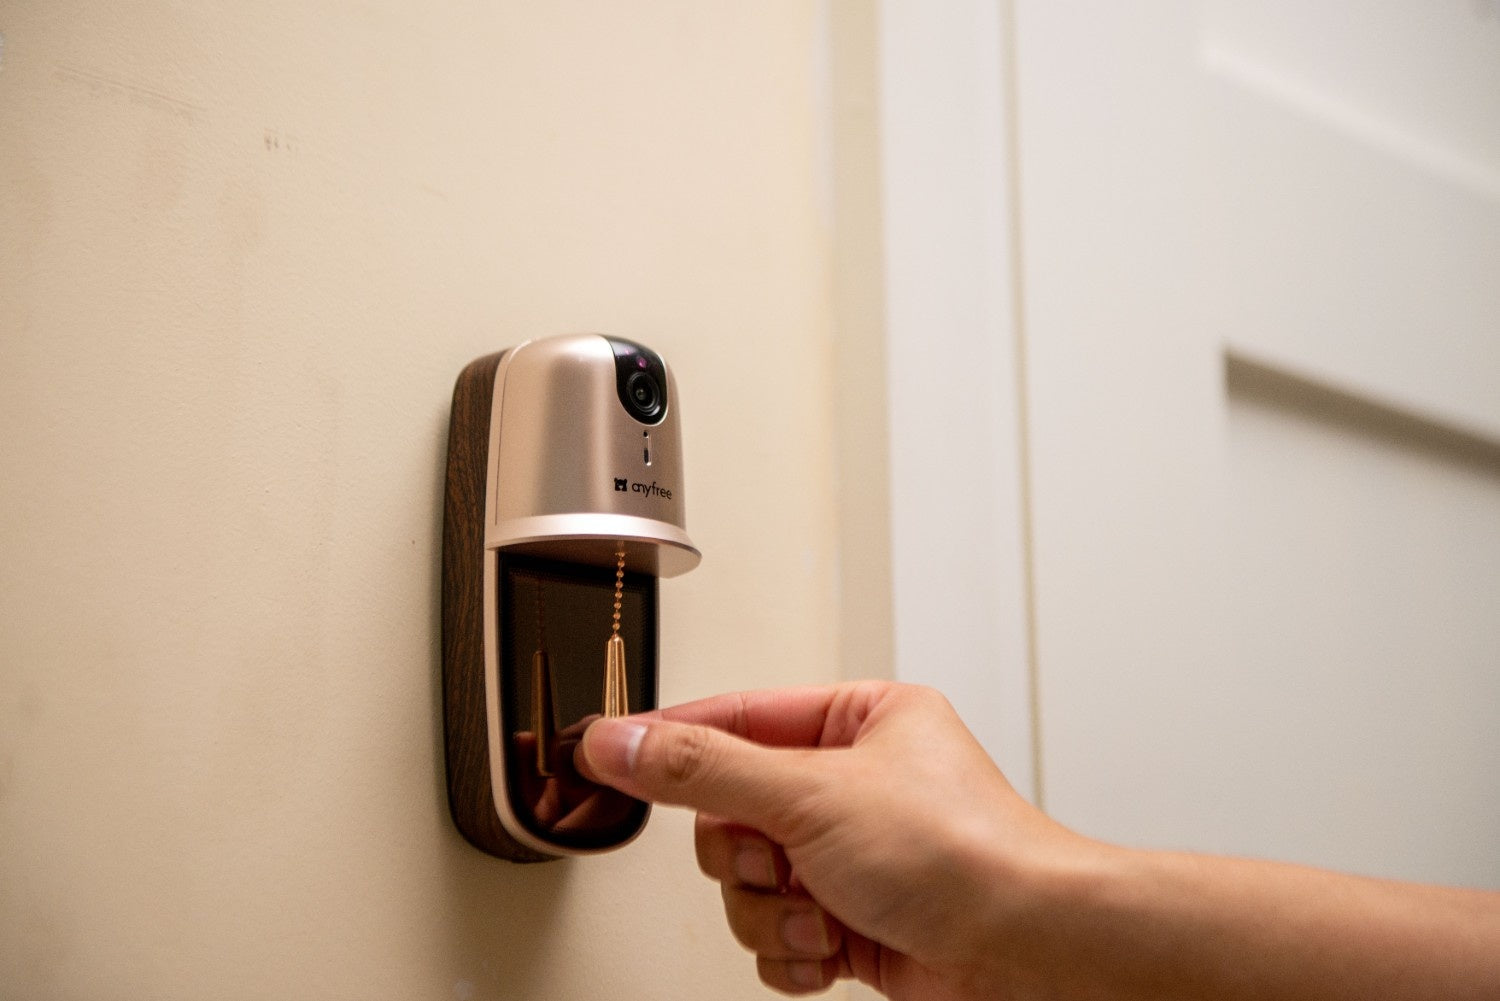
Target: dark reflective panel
555,624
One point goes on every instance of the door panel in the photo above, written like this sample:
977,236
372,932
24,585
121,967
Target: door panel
1265,622
1354,217
1364,586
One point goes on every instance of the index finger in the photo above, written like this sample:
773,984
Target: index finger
811,716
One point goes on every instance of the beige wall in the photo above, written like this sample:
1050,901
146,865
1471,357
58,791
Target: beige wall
244,251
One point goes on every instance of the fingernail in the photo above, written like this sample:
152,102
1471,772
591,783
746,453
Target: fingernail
611,746
805,974
806,932
753,866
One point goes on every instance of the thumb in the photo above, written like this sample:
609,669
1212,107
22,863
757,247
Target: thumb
683,764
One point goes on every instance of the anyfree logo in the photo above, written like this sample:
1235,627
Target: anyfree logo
652,489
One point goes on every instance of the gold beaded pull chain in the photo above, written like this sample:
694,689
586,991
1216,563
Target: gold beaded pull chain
543,726
616,695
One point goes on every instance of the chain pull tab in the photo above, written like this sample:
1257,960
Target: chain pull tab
616,694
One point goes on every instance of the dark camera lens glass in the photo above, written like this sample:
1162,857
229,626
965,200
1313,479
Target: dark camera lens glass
643,393
640,381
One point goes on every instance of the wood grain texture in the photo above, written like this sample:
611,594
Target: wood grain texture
466,742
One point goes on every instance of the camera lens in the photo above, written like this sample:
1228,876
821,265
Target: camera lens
643,393
640,381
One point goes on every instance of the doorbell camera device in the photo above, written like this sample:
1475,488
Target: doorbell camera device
563,508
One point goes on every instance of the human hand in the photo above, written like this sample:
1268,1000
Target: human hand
560,799
856,830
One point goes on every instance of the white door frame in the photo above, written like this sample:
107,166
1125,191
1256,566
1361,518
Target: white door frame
960,560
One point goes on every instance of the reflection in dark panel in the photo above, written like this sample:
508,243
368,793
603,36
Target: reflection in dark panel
555,625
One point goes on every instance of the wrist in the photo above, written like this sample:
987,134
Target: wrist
1049,903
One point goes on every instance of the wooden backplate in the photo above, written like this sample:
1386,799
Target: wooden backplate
466,740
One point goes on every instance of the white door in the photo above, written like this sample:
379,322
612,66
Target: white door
1260,267
1193,313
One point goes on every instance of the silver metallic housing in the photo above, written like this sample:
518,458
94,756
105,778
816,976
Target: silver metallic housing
559,439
